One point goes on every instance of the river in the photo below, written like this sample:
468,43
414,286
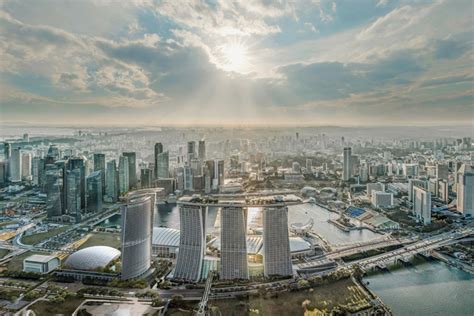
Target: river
429,288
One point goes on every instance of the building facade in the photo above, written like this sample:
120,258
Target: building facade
233,243
192,242
465,190
137,230
276,242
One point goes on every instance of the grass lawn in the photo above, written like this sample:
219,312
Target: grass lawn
36,238
325,297
16,264
3,252
47,308
102,239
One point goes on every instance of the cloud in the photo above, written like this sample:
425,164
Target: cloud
449,48
307,60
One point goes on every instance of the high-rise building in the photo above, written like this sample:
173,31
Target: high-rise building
15,165
158,151
211,167
124,181
410,169
192,241
26,166
347,167
3,173
443,190
188,178
53,152
162,165
99,165
377,186
442,171
112,182
191,151
53,188
79,163
422,204
94,192
309,165
132,169
137,230
73,193
465,190
233,243
35,170
415,182
276,242
146,177
218,179
381,199
202,150
7,150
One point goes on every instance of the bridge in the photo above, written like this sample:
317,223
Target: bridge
411,248
205,295
422,246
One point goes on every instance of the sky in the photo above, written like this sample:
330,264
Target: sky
145,62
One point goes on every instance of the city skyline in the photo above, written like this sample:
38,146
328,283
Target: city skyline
218,63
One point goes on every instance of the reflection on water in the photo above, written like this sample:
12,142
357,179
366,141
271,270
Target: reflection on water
431,288
302,213
167,215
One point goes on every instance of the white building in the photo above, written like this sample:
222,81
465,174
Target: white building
465,190
371,187
40,263
422,204
382,199
410,169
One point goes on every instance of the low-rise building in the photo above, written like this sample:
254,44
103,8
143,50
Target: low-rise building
40,263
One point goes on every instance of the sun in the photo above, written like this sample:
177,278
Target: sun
234,56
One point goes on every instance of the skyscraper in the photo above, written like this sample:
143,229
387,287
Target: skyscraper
53,152
3,173
94,192
112,181
347,168
422,204
15,165
442,171
202,150
7,150
53,188
465,190
192,241
26,166
137,228
233,243
219,173
158,151
276,242
78,163
99,165
162,165
124,181
146,177
132,169
191,150
73,193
